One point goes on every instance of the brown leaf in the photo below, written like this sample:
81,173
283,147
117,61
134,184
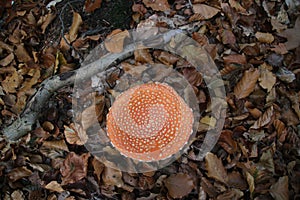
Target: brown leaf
267,79
235,58
17,195
7,60
215,168
89,117
72,135
227,36
11,82
236,180
74,168
227,142
206,11
292,35
193,76
179,185
280,189
231,194
264,119
264,37
58,144
250,181
54,186
44,21
237,6
22,54
90,6
158,5
247,83
165,57
98,168
280,49
115,40
143,56
266,161
18,173
112,176
77,21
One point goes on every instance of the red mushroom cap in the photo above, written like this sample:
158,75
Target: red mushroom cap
149,122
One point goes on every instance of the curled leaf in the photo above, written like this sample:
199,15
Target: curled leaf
264,119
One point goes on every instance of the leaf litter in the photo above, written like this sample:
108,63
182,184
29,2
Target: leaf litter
255,46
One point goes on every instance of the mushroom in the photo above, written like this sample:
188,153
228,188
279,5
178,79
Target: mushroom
149,122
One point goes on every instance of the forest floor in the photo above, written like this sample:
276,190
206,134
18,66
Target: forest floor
255,45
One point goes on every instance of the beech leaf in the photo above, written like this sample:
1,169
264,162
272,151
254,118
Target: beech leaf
158,5
179,185
292,35
264,37
267,79
54,186
72,135
77,21
18,173
264,119
115,41
215,168
205,11
280,189
247,83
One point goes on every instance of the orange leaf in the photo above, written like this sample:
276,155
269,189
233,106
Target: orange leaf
247,83
90,6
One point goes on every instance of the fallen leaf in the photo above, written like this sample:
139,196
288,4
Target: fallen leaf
205,11
98,168
165,57
226,141
77,21
22,54
250,181
18,173
90,6
235,58
279,27
247,83
280,49
266,161
143,56
231,194
44,21
114,42
227,36
235,180
264,37
54,186
267,79
89,117
11,82
292,36
158,5
17,195
193,76
112,176
285,75
237,6
72,135
264,119
56,144
210,121
215,168
74,168
7,60
179,185
280,189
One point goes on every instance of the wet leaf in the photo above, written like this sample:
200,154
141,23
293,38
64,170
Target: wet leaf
205,11
73,137
115,40
18,173
264,119
264,37
158,5
54,186
280,189
112,176
74,168
215,168
90,6
179,185
267,79
292,36
246,84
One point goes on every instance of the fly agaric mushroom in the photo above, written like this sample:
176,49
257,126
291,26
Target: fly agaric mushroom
149,122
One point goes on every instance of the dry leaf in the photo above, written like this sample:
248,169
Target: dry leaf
54,186
292,35
205,11
267,79
18,173
280,189
72,135
114,42
264,119
90,6
89,117
280,49
227,36
226,141
210,121
98,168
266,161
143,56
179,185
112,176
231,194
11,82
250,181
46,20
74,168
7,60
236,180
193,76
22,54
165,57
77,21
247,83
58,144
264,37
17,195
235,58
158,5
215,168
237,6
